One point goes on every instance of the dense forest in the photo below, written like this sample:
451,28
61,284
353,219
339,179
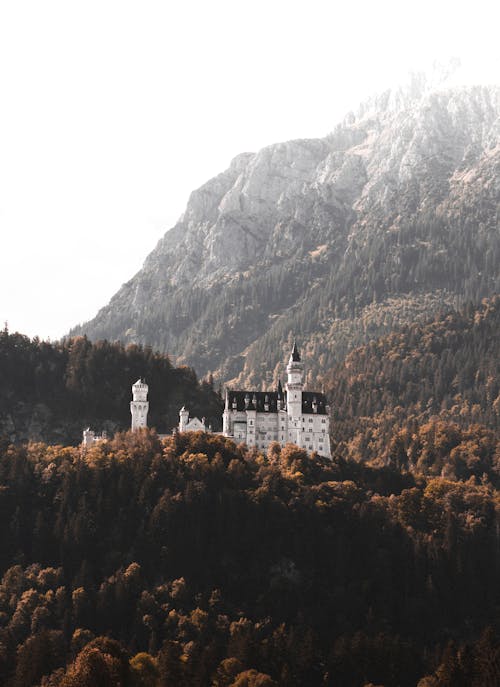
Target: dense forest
192,561
195,562
426,398
356,292
52,391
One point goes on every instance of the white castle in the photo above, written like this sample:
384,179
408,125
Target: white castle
260,418
257,418
139,406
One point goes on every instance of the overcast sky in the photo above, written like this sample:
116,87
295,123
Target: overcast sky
112,111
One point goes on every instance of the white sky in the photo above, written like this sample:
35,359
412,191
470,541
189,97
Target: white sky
112,111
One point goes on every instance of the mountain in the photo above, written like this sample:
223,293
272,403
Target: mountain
390,218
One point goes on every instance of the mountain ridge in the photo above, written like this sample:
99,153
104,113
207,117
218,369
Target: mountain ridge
398,205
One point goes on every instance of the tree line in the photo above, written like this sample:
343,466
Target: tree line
52,391
192,561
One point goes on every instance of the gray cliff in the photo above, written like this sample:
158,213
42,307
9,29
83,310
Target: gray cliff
391,217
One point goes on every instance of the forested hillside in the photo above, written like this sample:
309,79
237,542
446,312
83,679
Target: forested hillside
52,391
425,399
194,562
335,241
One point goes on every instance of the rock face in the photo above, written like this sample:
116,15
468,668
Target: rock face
389,218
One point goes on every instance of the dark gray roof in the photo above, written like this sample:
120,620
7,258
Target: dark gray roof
309,398
295,353
257,401
280,390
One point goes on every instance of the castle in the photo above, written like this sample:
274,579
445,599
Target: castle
139,406
257,418
292,416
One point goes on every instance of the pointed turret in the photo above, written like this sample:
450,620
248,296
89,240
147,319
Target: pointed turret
279,396
294,362
295,355
294,385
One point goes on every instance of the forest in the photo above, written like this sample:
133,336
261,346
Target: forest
52,391
192,561
426,398
362,289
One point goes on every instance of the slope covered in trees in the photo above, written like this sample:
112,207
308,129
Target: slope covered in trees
193,562
426,398
51,391
334,240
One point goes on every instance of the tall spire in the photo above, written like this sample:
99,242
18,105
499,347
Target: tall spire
295,355
294,386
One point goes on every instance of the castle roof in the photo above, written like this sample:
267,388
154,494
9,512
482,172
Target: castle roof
257,401
295,355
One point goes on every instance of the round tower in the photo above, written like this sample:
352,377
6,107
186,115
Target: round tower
295,384
139,404
183,419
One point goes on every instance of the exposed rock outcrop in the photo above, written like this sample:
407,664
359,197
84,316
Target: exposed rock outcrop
392,216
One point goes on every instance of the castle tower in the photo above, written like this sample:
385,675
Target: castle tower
226,421
294,388
183,419
295,384
139,404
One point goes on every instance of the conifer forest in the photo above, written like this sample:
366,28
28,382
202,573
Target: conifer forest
193,561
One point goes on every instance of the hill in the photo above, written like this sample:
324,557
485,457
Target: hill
193,562
52,391
426,398
338,240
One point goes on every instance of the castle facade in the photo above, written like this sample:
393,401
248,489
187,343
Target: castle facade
257,418
293,415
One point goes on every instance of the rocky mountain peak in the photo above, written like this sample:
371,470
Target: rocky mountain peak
304,235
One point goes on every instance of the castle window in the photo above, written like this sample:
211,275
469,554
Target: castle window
323,421
310,429
310,419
